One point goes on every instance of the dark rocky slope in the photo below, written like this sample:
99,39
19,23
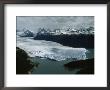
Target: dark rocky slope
23,64
85,66
80,40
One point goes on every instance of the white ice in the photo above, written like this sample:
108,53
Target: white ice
50,49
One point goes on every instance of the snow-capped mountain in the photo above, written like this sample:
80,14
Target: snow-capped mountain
69,31
44,31
25,33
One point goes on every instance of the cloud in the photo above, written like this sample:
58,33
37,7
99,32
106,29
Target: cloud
53,22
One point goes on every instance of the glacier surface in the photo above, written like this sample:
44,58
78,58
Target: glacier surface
50,49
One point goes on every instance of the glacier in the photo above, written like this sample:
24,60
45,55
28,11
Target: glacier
49,49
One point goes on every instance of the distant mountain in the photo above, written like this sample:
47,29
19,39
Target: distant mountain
69,31
89,30
44,31
25,33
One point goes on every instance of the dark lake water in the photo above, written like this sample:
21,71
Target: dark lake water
47,66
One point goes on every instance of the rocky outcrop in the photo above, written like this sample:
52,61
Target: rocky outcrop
23,64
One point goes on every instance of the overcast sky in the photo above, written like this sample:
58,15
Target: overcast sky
53,22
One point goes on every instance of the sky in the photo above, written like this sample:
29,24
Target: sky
53,22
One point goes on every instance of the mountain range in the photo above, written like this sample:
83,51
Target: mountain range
44,31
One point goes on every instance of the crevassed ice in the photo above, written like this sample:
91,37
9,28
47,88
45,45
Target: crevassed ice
50,49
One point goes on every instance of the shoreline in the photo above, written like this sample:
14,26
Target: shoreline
47,66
